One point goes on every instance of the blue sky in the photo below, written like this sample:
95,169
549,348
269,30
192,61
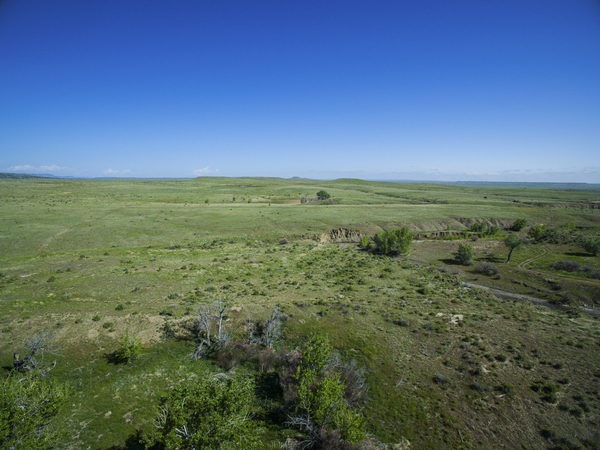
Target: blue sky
425,90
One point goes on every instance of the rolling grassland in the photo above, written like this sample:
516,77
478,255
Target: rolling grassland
448,363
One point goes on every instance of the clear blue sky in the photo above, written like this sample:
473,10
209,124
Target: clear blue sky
499,90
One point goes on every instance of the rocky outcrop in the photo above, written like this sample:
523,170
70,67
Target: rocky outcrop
341,235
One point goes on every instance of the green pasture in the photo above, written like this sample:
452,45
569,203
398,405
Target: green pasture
447,366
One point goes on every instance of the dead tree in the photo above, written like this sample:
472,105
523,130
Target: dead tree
37,346
208,315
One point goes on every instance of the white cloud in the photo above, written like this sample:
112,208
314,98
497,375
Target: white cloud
205,170
30,168
116,172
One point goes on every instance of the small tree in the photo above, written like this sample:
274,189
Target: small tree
513,242
320,404
365,242
592,245
537,231
519,224
323,195
392,241
213,413
27,405
129,349
465,254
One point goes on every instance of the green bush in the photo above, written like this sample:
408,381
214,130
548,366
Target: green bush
211,413
477,227
537,231
465,254
27,405
129,349
320,404
323,195
365,242
519,224
592,245
392,241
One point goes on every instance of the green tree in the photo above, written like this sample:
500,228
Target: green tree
129,349
519,224
537,231
212,413
392,241
365,242
592,245
465,254
323,195
513,242
320,405
27,405
477,227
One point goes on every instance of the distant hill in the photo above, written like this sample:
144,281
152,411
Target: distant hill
25,176
19,176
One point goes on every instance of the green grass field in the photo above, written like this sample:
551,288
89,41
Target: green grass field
447,365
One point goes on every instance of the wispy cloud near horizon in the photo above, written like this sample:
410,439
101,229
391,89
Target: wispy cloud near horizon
116,172
204,170
30,168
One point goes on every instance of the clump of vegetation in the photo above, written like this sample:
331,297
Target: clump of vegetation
486,268
321,409
323,195
365,242
465,254
27,406
567,266
212,413
537,232
513,242
130,347
519,224
396,241
477,227
591,245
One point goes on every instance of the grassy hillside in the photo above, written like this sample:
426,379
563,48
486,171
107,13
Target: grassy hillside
447,365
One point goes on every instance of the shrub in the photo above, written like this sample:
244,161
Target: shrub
96,318
212,413
537,231
27,405
519,224
320,404
465,254
392,241
365,242
567,266
491,231
129,349
477,227
486,268
323,195
592,245
107,325
119,308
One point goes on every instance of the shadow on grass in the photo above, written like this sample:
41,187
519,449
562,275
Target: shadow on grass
582,254
450,262
134,442
112,358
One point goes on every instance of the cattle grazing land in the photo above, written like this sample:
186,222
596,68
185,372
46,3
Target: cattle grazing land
293,313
